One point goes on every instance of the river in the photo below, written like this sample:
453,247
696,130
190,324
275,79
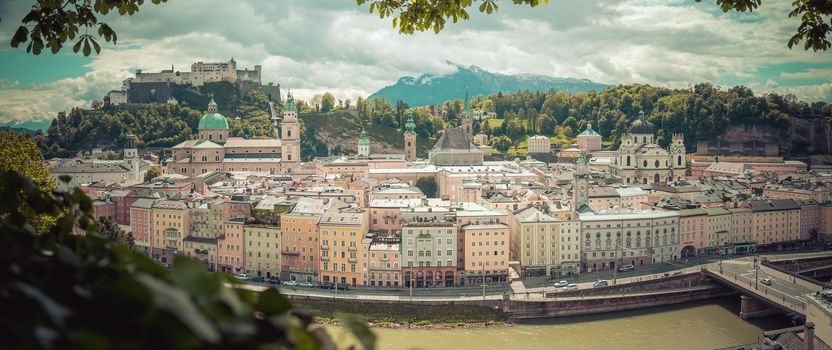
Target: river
701,325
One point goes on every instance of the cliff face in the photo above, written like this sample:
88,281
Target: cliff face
803,137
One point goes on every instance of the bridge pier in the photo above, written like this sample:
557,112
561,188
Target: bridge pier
750,308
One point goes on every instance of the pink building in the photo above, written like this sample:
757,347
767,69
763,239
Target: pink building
385,215
231,247
809,219
104,209
123,200
693,231
141,223
384,257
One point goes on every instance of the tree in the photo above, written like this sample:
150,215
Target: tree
109,229
428,186
327,102
20,154
501,143
59,290
151,173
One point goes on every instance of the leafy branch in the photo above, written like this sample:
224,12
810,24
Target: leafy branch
54,23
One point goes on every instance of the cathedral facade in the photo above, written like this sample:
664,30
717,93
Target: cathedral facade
639,160
214,150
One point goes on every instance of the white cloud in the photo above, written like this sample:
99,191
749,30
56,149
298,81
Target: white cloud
333,45
812,73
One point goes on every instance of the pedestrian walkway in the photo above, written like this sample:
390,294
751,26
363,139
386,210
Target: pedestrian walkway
518,288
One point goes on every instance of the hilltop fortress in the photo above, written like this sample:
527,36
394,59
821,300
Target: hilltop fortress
157,87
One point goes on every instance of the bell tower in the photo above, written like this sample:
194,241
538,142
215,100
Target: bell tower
410,139
290,135
580,184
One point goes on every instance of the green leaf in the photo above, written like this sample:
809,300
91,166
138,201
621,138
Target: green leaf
19,36
363,333
87,48
179,304
190,274
270,302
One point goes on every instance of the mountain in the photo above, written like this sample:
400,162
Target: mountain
28,125
434,89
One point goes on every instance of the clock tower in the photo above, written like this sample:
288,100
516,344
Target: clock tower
580,184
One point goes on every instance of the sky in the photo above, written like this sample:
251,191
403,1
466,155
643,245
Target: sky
334,45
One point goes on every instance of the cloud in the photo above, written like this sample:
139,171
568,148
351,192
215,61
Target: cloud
812,73
334,45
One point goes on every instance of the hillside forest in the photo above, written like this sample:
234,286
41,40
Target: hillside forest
701,113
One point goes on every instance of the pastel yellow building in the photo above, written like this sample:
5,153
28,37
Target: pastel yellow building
342,256
262,244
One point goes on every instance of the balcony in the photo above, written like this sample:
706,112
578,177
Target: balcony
353,260
290,253
325,247
352,249
325,258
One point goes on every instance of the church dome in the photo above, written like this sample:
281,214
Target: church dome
213,120
641,125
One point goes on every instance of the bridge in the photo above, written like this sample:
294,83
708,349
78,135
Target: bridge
786,292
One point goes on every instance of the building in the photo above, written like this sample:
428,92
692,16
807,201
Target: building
410,139
809,219
203,249
742,230
342,235
455,147
384,214
301,240
693,231
429,250
535,241
589,140
487,253
776,221
617,236
171,222
719,231
213,150
200,74
262,249
640,160
538,144
141,224
384,259
570,249
231,247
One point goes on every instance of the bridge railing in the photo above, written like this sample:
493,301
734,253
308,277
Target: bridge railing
807,282
772,295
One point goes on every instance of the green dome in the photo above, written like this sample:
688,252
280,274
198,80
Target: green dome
641,125
213,120
290,104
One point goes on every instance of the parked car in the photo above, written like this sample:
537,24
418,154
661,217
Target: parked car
273,280
257,279
571,286
561,284
767,281
290,283
343,286
241,276
600,283
306,285
626,268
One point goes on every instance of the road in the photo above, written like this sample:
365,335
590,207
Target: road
739,266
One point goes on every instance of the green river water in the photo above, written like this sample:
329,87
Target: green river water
701,325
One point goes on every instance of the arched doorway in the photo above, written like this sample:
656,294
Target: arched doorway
656,178
688,251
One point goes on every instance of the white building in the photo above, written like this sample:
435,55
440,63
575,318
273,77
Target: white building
538,144
640,160
620,236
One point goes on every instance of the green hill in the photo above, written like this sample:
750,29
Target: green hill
340,130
